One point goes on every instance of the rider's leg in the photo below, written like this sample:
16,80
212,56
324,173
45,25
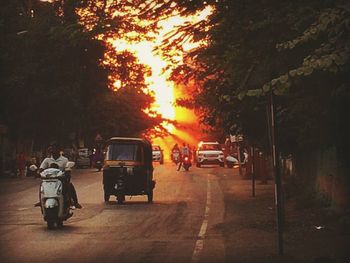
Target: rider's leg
73,195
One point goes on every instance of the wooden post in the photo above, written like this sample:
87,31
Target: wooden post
239,159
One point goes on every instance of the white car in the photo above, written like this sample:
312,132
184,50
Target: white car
209,153
157,154
83,159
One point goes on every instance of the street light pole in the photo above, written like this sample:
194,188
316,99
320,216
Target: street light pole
277,175
252,169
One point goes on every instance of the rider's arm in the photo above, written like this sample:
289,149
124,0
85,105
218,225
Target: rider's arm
44,165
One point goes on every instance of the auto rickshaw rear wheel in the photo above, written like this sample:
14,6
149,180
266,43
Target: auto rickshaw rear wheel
106,196
150,196
120,199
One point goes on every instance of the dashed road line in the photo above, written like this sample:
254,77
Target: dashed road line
200,239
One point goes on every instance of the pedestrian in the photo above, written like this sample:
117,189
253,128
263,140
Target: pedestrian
21,164
32,161
227,147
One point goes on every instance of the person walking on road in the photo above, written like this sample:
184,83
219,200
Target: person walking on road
21,164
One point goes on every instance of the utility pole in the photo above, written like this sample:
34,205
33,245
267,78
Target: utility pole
252,169
3,131
277,175
239,158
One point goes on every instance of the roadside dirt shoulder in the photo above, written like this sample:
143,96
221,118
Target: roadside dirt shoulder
313,234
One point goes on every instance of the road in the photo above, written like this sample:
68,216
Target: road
177,227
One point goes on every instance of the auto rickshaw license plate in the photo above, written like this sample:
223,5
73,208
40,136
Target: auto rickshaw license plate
116,186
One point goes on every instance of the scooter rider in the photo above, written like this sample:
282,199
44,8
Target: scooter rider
175,153
185,151
56,159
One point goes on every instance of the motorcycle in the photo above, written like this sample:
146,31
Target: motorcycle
231,161
175,156
186,163
55,201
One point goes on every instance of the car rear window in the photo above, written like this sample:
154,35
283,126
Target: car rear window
209,147
124,152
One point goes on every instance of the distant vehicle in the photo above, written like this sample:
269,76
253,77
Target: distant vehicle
209,153
157,154
69,153
83,159
186,163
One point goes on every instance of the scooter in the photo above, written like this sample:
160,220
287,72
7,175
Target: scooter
54,198
186,163
231,161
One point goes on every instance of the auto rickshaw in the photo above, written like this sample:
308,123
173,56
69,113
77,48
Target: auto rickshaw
128,168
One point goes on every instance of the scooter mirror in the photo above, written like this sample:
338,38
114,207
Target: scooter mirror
70,165
33,168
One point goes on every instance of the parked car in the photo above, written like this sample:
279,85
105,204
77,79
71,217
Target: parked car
83,159
209,153
157,154
69,153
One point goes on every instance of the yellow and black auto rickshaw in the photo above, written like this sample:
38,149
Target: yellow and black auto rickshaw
128,168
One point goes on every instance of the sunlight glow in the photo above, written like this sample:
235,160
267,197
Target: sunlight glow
165,91
158,82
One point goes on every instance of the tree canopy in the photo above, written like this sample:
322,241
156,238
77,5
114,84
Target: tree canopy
299,50
58,72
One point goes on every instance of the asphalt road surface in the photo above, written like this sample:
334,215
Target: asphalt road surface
177,227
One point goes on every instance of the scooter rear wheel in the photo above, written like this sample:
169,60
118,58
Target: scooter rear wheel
106,197
120,199
60,223
150,196
51,217
229,165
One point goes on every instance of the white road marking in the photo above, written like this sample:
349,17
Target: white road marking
200,240
22,208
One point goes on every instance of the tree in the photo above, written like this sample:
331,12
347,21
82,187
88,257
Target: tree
56,81
297,49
